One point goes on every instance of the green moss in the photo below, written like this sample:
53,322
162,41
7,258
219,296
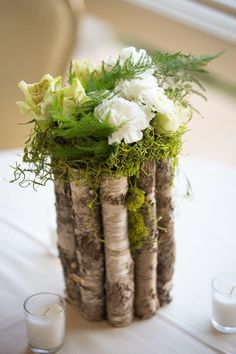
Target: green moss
49,157
137,229
138,232
135,199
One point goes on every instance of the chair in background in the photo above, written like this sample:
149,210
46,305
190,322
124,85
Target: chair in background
36,37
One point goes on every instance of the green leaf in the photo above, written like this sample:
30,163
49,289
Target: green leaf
81,150
87,126
179,73
109,77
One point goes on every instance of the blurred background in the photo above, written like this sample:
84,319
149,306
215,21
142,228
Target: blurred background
39,37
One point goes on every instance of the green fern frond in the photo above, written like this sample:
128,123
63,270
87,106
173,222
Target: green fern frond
87,126
178,73
109,77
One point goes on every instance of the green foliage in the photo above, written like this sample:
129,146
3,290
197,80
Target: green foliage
178,73
71,75
70,127
109,77
93,100
80,149
67,155
128,159
78,135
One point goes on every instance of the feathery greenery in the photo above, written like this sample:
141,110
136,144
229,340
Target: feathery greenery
178,73
109,77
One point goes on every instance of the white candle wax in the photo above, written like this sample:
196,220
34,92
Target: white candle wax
224,310
46,326
224,302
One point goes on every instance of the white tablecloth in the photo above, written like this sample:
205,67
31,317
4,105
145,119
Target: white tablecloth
206,244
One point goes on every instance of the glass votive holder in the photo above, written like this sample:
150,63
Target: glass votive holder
45,322
224,303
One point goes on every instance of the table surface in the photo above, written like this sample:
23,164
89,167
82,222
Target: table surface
206,243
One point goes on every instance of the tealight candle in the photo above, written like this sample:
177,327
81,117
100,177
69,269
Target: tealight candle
45,322
224,302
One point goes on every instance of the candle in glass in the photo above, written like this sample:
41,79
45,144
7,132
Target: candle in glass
45,322
224,302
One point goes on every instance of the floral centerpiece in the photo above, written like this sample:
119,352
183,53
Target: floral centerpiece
109,138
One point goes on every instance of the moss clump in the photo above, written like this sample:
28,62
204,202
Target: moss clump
135,199
138,231
50,157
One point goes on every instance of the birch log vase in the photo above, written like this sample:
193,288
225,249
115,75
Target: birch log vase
119,263
146,300
66,240
166,241
90,252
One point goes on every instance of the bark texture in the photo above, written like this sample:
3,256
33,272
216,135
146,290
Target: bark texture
90,252
66,240
119,263
166,241
146,300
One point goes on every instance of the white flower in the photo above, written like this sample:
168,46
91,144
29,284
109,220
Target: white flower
70,96
132,89
36,93
82,69
38,97
169,124
132,53
145,91
156,100
184,114
126,116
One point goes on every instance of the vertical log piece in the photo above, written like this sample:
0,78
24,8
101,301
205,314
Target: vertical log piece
166,241
119,263
66,240
90,252
146,300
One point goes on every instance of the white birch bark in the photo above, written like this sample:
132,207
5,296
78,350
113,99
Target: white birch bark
66,240
119,263
90,252
146,299
166,240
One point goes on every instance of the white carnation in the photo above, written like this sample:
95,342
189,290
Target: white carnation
126,116
168,124
82,69
171,123
133,89
156,100
132,53
145,91
184,114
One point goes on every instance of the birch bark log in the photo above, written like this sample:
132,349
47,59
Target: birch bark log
66,240
90,252
119,263
146,300
166,241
